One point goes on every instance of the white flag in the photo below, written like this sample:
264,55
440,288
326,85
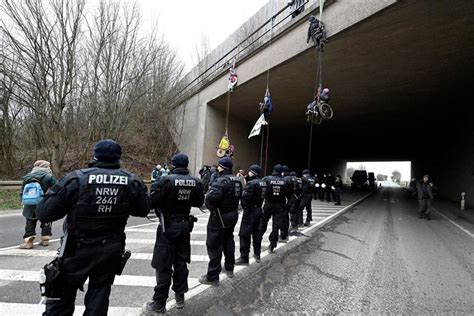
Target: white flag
258,126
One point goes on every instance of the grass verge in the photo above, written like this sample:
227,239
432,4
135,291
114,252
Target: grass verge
9,200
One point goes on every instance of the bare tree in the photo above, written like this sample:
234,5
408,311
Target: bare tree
45,41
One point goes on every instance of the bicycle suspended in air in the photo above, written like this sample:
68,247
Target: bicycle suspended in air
319,109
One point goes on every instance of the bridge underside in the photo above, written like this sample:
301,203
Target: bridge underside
401,87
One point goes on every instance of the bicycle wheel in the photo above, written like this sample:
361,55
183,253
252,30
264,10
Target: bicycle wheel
316,118
325,110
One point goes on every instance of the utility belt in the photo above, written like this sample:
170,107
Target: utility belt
52,284
167,220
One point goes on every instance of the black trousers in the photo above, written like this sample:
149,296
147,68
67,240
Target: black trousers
220,240
294,213
276,212
337,195
424,207
250,229
98,262
321,194
285,221
306,203
330,193
30,228
171,255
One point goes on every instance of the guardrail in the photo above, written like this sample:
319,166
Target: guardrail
16,184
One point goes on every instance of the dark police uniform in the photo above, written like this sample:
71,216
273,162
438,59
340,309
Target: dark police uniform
286,216
295,201
322,187
308,191
338,190
97,202
252,200
222,200
275,201
329,191
173,196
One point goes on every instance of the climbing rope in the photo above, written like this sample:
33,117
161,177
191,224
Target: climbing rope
319,82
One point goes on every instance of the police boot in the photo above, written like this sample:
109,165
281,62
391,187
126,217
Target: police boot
153,308
179,298
28,244
203,280
45,240
257,258
241,262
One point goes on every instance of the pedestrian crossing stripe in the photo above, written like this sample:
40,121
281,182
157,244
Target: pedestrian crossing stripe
123,280
22,309
193,242
53,253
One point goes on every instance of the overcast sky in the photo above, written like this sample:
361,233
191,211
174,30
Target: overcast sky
183,22
385,168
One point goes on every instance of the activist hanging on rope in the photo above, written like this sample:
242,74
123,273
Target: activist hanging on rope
225,148
318,109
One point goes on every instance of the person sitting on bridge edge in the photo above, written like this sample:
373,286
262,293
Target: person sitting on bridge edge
42,174
222,200
173,196
97,201
252,200
338,189
425,190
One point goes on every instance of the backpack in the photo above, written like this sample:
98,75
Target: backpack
32,193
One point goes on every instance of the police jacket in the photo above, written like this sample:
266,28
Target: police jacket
308,186
97,200
289,184
297,187
176,193
277,189
330,181
254,193
225,193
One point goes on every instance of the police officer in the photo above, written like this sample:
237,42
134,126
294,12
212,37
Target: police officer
286,216
338,190
252,200
330,188
308,191
172,198
317,186
222,200
97,202
275,201
323,186
295,200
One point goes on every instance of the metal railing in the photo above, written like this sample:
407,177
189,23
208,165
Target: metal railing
243,49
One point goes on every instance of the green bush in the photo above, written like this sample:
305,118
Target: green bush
9,200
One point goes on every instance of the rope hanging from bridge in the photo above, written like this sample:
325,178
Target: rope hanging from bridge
319,108
266,109
225,148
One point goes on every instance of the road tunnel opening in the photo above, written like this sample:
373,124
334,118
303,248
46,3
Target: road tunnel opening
401,89
385,173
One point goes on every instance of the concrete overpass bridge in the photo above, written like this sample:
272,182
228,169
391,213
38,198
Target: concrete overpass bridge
401,78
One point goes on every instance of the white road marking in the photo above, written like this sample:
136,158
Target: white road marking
19,309
193,242
454,223
123,280
52,254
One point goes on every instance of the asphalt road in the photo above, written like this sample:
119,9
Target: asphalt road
19,293
378,258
